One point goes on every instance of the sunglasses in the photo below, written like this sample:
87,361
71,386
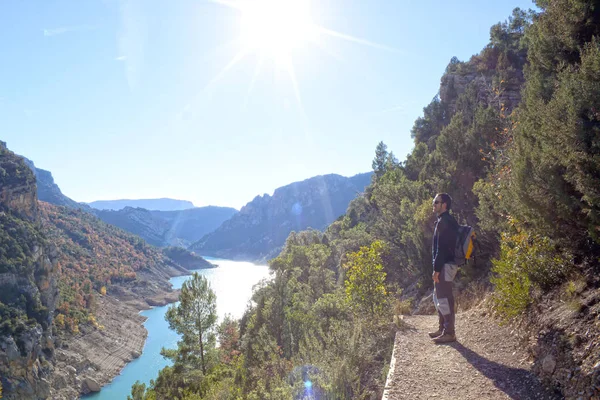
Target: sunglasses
436,202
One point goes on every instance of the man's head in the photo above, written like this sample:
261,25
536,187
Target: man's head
442,203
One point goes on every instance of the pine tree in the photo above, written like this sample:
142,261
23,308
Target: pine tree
556,160
381,159
194,318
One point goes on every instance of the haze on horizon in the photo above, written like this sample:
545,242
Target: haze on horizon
218,101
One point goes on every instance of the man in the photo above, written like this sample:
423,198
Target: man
444,268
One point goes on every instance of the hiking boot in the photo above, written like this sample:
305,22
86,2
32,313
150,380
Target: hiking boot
445,338
439,332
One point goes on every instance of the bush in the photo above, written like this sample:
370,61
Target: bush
527,261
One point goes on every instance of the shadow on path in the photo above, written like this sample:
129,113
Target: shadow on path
517,383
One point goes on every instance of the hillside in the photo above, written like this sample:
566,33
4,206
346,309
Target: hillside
164,204
168,228
106,276
259,230
28,285
71,287
186,258
93,255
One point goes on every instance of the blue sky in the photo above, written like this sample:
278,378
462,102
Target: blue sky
130,99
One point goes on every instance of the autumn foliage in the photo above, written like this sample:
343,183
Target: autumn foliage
92,255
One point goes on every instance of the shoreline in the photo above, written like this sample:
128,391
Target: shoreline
94,358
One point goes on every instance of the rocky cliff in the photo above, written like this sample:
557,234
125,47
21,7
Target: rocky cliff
48,190
28,285
261,227
496,80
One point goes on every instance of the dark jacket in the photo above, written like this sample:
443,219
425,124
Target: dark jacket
444,241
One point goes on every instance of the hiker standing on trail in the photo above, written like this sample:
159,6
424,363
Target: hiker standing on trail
444,268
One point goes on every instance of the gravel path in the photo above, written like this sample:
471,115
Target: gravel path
485,363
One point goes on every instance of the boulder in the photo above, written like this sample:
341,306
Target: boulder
89,385
548,364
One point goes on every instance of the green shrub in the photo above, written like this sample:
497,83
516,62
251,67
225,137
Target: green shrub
526,261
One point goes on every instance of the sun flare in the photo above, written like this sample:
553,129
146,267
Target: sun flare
275,28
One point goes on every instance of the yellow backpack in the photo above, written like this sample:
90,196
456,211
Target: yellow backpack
465,242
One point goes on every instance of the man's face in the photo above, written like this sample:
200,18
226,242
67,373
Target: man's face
438,207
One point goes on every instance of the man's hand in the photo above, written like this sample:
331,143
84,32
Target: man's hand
436,277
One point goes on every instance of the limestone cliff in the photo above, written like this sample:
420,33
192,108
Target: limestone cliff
48,190
28,285
497,81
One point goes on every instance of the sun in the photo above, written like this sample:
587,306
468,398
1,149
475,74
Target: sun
275,28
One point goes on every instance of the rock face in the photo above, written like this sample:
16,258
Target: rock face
149,204
28,285
48,190
460,77
168,228
261,227
88,361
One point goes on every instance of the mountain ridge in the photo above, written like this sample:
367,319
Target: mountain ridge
158,204
261,227
168,228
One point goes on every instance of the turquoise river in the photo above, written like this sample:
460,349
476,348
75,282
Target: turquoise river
232,282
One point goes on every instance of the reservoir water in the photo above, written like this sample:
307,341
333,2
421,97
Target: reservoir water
231,281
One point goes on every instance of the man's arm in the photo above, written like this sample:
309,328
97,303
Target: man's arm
441,252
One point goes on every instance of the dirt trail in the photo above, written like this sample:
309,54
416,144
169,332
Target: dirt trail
486,362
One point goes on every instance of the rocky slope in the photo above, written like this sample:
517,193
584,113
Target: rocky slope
28,285
106,277
94,357
261,227
163,204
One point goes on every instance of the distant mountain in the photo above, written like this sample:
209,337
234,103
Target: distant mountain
138,221
168,228
158,227
188,226
49,191
163,204
261,227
